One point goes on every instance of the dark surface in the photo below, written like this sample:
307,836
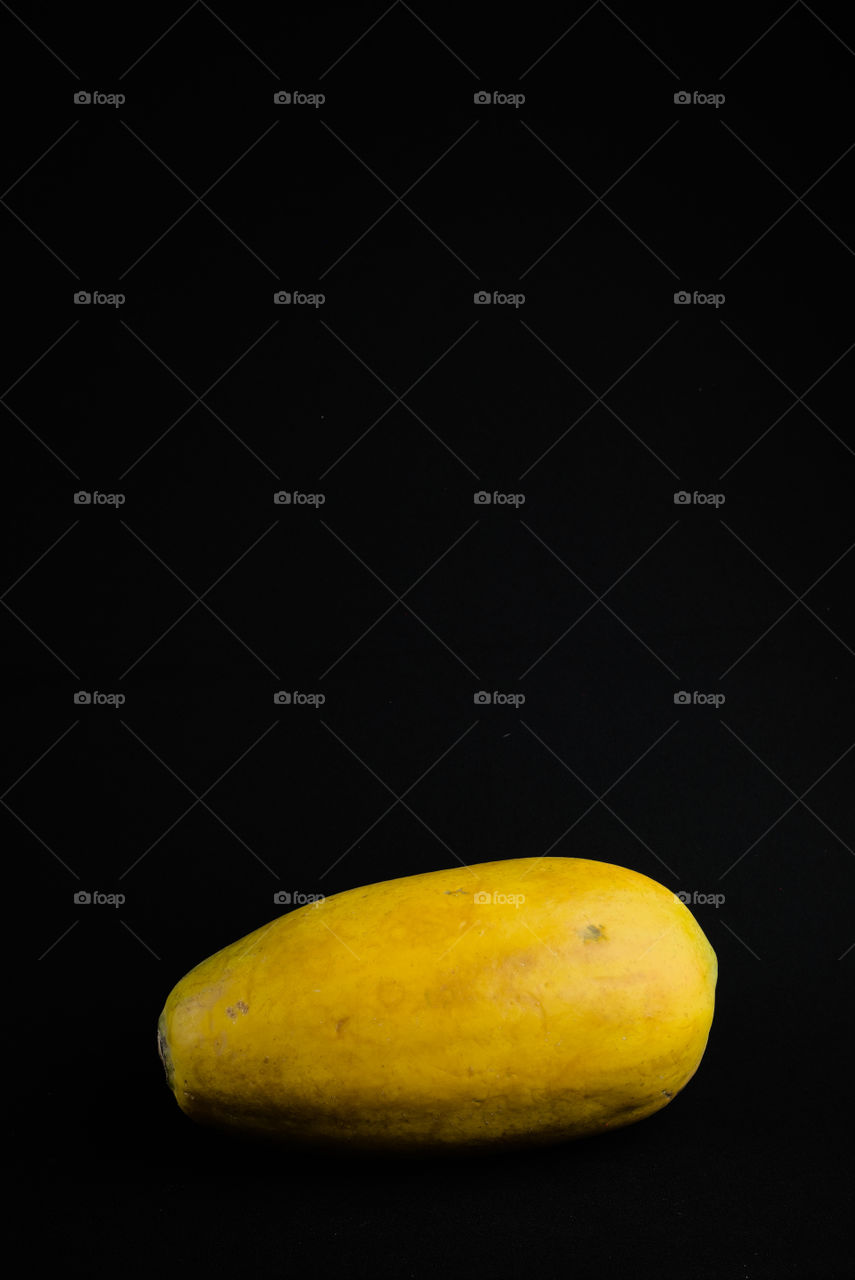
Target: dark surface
599,598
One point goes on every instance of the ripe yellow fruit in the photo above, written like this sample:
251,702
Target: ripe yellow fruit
531,1000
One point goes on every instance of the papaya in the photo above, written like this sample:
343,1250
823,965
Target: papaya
525,1001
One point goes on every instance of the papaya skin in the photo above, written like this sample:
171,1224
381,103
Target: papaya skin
414,1014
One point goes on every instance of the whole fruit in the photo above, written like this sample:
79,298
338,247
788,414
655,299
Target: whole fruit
530,1000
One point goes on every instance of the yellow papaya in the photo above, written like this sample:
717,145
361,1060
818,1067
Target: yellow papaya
522,1001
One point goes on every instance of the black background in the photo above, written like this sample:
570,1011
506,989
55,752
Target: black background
597,398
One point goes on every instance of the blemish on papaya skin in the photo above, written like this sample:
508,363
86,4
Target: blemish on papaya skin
244,1008
338,1026
452,891
667,1093
593,933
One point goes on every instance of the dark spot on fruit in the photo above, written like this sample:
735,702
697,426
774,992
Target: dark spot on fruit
667,1093
593,933
338,1026
244,1008
448,891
